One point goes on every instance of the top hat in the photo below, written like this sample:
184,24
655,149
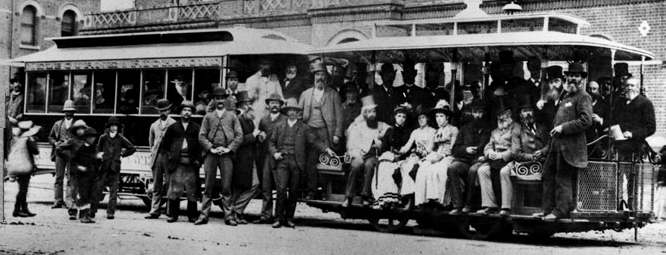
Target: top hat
89,132
274,97
243,96
77,124
524,101
319,68
576,67
68,106
113,120
387,67
622,69
163,104
368,103
554,72
187,103
28,128
408,68
291,104
506,57
232,74
219,91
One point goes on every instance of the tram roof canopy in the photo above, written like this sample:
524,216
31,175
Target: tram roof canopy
176,44
547,45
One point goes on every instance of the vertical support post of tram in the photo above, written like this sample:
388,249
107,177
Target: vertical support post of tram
3,120
486,73
642,65
373,59
610,109
454,76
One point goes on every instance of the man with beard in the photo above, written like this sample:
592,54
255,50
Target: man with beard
180,143
260,86
265,161
287,146
384,95
15,101
292,85
365,141
322,111
529,142
58,136
468,158
158,161
498,154
568,151
599,115
220,136
550,95
245,177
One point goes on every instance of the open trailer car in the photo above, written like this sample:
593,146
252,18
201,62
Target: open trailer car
467,46
111,68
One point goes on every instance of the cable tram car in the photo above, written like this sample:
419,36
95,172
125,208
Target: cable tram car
467,46
124,75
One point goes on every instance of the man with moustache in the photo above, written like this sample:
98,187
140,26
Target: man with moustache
529,142
181,145
287,146
260,86
58,136
322,111
468,158
365,138
550,95
158,161
245,177
599,120
265,161
220,136
568,151
293,84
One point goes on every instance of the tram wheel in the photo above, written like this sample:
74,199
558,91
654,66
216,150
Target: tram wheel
389,225
479,229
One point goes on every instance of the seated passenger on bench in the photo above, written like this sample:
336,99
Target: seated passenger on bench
419,145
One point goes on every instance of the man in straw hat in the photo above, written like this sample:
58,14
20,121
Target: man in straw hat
220,136
265,161
180,141
366,142
288,147
158,161
23,147
245,176
568,150
84,160
58,136
322,111
113,146
260,86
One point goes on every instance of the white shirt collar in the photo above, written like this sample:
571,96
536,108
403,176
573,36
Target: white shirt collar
291,123
113,134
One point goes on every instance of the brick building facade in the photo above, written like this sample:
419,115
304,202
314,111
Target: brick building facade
26,23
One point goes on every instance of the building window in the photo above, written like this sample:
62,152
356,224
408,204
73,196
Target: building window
28,26
68,25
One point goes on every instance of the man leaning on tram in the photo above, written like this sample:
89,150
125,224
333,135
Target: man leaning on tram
568,150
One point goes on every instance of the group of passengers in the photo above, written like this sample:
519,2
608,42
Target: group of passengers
405,141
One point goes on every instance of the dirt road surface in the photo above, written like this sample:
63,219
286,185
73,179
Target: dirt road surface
50,232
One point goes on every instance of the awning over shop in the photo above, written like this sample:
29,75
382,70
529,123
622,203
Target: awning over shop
167,45
472,47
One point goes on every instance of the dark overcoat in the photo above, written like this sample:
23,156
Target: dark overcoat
172,143
245,155
574,113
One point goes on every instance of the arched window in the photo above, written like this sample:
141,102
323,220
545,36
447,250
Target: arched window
68,25
29,26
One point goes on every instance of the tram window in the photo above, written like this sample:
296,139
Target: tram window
81,92
205,81
128,92
104,90
153,90
179,87
59,90
36,88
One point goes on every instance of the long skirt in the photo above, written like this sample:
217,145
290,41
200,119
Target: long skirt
183,179
431,182
660,203
383,183
408,183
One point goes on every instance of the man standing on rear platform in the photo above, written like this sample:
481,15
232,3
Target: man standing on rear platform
287,146
220,136
568,150
158,161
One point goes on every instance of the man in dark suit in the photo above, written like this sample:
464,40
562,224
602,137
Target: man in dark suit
293,84
409,92
568,150
287,146
600,113
384,95
220,136
265,161
322,111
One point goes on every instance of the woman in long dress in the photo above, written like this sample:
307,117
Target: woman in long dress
432,175
421,140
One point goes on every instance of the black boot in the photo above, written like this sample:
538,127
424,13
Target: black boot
72,213
85,216
18,212
27,211
174,210
192,213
